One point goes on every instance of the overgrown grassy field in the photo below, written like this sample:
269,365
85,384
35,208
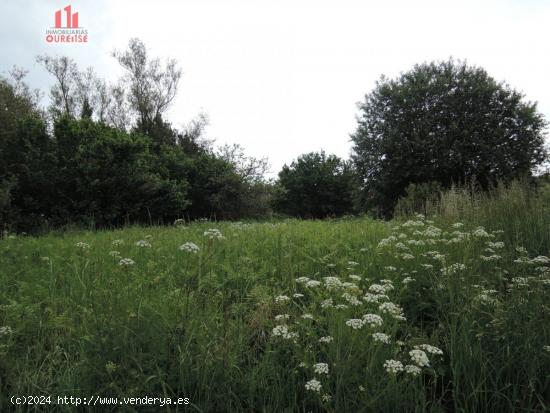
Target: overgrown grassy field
449,313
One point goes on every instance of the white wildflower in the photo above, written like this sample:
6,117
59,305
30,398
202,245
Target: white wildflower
393,366
5,331
373,320
213,233
353,300
125,262
325,339
281,299
314,385
283,331
480,232
313,283
355,323
419,357
381,337
407,256
327,303
302,280
429,349
320,368
375,298
393,309
413,370
332,283
189,247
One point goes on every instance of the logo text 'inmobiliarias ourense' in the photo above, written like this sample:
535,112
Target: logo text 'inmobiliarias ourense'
71,32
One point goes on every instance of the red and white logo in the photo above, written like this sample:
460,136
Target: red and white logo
66,28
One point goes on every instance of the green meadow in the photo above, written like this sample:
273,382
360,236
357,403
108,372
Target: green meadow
448,312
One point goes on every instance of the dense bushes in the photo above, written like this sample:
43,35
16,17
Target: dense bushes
85,172
316,185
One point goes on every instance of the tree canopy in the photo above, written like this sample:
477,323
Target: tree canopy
316,185
443,122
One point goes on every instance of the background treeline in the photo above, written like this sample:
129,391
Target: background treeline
103,154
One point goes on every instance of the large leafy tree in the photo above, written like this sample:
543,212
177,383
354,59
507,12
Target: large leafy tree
443,122
316,185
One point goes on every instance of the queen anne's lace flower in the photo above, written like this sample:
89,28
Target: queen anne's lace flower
393,366
284,332
327,303
373,320
393,309
320,368
189,247
83,245
419,357
381,337
125,262
375,298
326,339
282,299
213,233
143,243
412,369
332,283
313,385
355,323
429,349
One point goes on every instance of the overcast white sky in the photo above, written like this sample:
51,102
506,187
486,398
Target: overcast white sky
283,77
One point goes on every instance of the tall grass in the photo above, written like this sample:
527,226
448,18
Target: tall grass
204,324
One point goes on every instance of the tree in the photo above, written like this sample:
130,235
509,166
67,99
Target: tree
315,186
26,155
65,91
109,176
443,122
151,86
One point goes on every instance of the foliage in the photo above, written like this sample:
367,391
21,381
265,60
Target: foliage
443,122
418,198
242,308
89,172
315,186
